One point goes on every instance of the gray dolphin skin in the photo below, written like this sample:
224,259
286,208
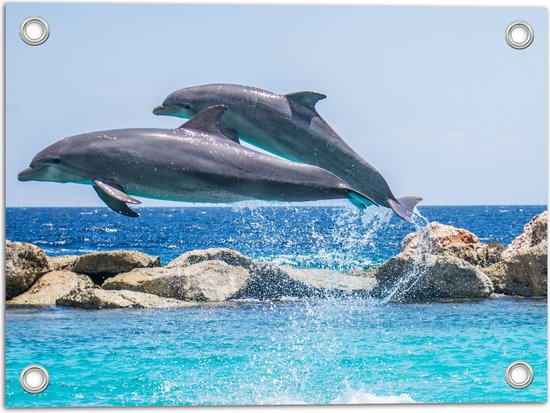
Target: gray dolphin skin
288,126
194,163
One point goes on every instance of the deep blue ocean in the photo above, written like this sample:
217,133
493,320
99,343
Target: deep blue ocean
320,351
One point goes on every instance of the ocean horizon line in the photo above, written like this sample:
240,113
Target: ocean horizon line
244,205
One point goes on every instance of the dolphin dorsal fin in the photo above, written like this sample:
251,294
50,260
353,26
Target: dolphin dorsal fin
306,99
206,120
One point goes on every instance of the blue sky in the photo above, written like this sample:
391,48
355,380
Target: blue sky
432,97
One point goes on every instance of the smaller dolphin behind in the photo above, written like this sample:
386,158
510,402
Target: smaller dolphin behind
194,163
288,126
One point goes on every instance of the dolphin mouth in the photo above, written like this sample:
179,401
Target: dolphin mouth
27,174
163,110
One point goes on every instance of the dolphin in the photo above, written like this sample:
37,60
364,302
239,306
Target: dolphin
193,163
288,126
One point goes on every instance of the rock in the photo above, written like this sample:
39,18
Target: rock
481,255
333,282
25,263
204,281
96,298
265,282
62,262
51,286
270,282
102,265
219,254
522,274
524,266
434,237
213,281
434,277
534,233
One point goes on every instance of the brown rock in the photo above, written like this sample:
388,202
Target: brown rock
434,237
52,286
96,298
523,274
534,233
25,263
62,262
524,266
481,255
102,265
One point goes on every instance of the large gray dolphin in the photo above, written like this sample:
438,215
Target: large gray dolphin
194,163
288,126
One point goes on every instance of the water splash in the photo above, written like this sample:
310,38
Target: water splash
420,261
351,240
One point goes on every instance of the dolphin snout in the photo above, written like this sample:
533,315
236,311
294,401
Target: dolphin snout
28,174
161,110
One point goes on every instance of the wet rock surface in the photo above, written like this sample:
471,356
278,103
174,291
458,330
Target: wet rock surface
434,277
25,263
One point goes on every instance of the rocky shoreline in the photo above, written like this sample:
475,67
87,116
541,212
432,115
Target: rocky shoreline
437,263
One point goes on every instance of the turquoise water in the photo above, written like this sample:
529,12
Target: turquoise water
328,351
337,351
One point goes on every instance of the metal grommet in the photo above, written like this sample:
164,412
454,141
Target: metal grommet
34,379
519,35
519,374
34,31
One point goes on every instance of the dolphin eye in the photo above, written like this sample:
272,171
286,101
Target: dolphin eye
50,161
186,106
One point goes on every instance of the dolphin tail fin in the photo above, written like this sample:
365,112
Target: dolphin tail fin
359,200
404,207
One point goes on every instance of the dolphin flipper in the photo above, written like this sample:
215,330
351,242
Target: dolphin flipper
114,196
113,203
114,191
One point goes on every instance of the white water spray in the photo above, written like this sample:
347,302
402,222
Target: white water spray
420,264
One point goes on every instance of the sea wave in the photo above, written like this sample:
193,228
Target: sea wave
360,396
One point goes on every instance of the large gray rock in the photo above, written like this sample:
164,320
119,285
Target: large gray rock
25,263
330,282
524,267
204,281
431,278
268,281
96,298
265,281
102,265
226,255
52,286
213,281
62,262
